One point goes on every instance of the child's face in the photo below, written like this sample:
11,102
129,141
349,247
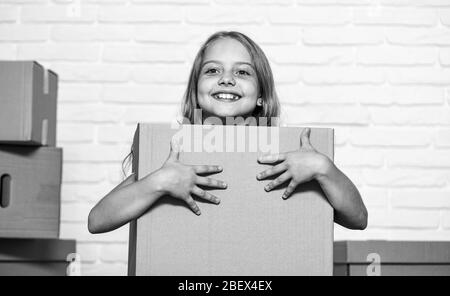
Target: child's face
227,85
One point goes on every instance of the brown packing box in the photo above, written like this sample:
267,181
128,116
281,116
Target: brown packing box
251,232
28,96
396,258
30,181
35,257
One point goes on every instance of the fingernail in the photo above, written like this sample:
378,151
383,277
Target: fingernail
217,201
219,168
258,176
198,213
284,196
267,188
224,185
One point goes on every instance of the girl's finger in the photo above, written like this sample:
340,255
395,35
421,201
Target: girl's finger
291,187
193,205
210,182
205,195
207,169
272,158
305,138
278,181
174,154
279,168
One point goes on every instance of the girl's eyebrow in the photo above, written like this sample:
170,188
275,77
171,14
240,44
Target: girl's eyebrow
218,62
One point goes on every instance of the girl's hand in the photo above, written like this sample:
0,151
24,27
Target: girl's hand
180,181
298,166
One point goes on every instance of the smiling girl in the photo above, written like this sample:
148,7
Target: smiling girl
230,77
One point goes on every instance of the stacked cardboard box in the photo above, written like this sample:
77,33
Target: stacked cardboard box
42,257
30,164
251,232
391,258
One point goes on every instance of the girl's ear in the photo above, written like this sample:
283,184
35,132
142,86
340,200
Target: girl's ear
259,102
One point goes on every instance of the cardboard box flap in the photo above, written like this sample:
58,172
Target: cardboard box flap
45,89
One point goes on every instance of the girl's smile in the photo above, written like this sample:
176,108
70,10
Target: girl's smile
226,95
228,85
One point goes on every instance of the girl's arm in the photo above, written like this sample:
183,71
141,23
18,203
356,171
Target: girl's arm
131,199
349,209
307,164
125,202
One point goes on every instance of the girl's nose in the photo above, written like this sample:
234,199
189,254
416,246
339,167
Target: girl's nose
227,79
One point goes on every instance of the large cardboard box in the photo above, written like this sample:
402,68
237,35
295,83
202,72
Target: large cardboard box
251,232
391,258
28,96
30,191
36,257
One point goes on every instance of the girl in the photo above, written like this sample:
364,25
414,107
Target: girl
230,77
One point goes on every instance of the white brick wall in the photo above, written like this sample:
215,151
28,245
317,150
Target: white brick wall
375,70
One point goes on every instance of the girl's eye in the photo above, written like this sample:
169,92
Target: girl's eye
212,71
243,72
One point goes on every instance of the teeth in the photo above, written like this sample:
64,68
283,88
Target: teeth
223,96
